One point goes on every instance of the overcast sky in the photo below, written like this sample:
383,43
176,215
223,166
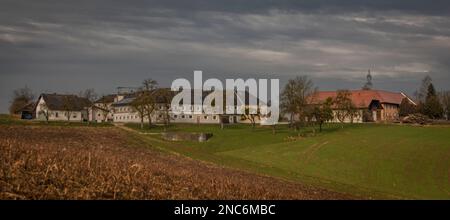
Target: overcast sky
68,46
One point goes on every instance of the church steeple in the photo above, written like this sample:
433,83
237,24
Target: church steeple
368,85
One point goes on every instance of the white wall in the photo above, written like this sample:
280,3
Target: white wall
126,114
56,115
98,115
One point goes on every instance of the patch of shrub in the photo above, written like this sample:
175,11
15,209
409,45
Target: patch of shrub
416,119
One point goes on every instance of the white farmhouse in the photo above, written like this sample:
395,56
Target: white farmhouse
56,107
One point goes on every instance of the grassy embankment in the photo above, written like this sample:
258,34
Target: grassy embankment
380,161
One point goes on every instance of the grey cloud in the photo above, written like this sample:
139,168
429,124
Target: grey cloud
66,46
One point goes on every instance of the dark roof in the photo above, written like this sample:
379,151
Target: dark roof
26,108
106,99
124,102
129,98
65,102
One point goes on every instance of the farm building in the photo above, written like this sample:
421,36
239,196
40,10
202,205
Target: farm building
26,112
102,110
372,105
124,112
57,107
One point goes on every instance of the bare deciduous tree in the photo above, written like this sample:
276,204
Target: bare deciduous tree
21,97
252,117
91,96
165,97
138,106
105,109
296,97
44,111
345,106
323,112
445,101
68,106
148,98
145,102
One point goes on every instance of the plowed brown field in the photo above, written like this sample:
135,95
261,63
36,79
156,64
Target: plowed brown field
42,162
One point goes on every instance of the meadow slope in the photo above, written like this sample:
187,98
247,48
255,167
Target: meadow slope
372,160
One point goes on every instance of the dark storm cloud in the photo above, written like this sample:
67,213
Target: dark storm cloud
66,46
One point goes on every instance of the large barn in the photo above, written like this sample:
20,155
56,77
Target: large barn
381,105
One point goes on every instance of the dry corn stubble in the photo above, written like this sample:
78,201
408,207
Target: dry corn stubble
98,163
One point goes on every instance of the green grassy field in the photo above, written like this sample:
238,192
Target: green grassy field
377,161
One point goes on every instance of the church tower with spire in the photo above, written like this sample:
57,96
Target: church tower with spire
368,85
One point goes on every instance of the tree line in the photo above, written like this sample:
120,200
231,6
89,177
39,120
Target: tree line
430,103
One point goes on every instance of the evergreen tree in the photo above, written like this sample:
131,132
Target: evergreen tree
421,94
432,106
